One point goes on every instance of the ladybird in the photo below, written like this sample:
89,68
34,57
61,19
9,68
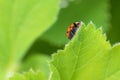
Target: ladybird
72,30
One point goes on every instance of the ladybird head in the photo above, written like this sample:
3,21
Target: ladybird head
77,24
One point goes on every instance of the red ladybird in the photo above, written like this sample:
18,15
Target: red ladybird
72,29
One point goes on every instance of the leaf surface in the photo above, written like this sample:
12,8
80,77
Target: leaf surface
36,61
85,57
113,70
21,22
31,75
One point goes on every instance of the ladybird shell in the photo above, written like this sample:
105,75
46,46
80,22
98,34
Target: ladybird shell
72,30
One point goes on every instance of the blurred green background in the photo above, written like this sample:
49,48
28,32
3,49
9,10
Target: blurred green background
32,30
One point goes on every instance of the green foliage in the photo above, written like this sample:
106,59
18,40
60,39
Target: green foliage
30,32
114,30
85,57
21,22
88,56
31,75
36,62
113,71
77,10
42,46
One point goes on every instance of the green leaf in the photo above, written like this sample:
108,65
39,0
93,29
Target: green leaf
85,57
36,62
88,56
113,33
31,75
77,10
113,71
21,22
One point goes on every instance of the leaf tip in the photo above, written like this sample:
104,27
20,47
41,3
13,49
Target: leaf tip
90,22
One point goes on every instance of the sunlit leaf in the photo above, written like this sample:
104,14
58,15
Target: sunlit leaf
31,75
36,61
113,70
21,22
85,57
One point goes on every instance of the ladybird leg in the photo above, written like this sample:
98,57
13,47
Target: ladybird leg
75,24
